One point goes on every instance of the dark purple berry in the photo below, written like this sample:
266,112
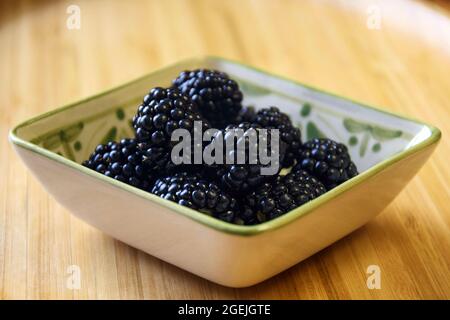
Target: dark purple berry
328,160
283,194
217,96
273,118
122,161
194,191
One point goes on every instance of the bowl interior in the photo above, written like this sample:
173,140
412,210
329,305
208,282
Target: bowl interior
370,134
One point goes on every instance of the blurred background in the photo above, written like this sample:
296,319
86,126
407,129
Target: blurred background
389,53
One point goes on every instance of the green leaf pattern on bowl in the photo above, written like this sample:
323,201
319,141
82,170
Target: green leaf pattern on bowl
70,141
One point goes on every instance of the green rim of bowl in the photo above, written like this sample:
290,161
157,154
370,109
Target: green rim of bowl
201,217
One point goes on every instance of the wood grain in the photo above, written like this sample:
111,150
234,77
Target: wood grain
404,66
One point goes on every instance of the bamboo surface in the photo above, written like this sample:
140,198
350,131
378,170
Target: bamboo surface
404,65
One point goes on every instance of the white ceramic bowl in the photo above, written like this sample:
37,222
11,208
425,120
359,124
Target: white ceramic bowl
388,150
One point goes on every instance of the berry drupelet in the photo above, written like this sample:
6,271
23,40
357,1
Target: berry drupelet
328,160
217,96
121,161
283,194
273,118
194,191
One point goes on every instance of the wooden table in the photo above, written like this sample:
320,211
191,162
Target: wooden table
404,65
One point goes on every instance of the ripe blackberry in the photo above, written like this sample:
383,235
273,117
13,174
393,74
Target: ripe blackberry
193,191
161,112
273,118
328,160
239,177
284,194
217,96
121,161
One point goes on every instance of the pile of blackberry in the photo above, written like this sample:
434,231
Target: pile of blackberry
233,192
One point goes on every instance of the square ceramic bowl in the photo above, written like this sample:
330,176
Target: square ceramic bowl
388,150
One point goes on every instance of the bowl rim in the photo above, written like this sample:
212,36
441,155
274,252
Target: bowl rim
202,218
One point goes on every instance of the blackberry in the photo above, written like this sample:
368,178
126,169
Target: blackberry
328,160
273,118
194,191
284,194
121,161
161,112
217,96
236,177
